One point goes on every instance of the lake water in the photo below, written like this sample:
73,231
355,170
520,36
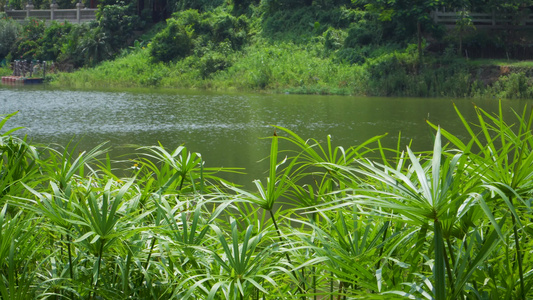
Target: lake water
227,129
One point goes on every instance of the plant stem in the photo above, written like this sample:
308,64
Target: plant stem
448,269
147,260
340,290
331,286
518,258
449,244
279,233
98,267
70,258
314,283
286,253
440,263
383,240
181,185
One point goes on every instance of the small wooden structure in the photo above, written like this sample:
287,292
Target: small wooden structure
15,80
24,72
77,15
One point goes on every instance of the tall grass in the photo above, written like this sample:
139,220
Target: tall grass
284,67
291,68
328,222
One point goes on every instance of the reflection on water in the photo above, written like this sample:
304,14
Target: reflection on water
225,128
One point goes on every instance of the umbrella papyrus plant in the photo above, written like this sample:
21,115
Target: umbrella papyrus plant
433,193
504,159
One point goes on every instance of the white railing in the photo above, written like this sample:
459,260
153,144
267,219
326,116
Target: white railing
77,15
485,20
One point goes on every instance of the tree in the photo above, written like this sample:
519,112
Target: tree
407,13
463,24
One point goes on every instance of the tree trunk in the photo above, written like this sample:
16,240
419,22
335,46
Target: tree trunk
419,38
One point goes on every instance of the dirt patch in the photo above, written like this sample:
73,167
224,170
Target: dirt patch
487,75
505,70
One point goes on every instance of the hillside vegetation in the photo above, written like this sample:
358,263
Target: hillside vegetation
370,47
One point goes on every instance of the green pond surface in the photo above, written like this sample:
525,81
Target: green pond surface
229,130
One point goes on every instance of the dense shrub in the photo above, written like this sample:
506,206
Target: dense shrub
213,58
202,5
118,22
211,63
334,39
363,33
71,51
302,22
27,44
174,42
9,30
192,32
53,37
216,26
356,55
94,46
512,86
400,73
279,5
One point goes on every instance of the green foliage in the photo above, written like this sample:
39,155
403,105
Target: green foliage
388,64
212,62
17,161
361,41
117,22
280,5
216,27
512,86
289,66
450,223
387,10
56,42
174,42
69,51
334,39
9,31
26,45
206,35
322,47
201,5
54,35
362,34
227,27
300,23
95,46
399,73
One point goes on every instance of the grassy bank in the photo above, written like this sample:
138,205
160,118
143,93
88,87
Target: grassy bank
287,67
452,223
262,67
